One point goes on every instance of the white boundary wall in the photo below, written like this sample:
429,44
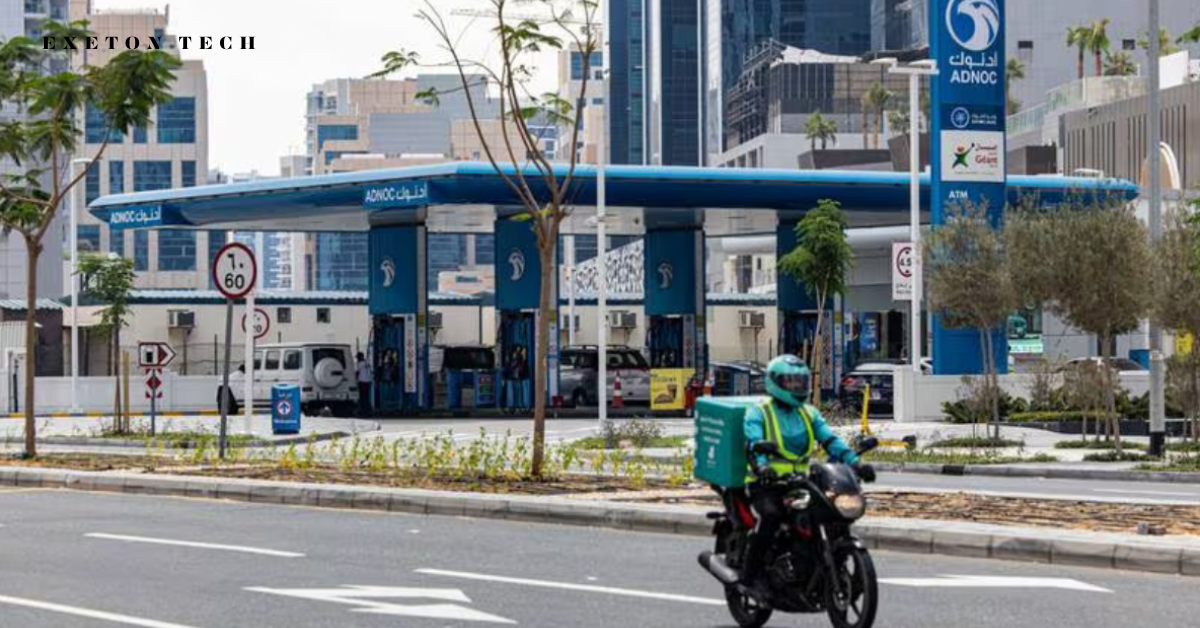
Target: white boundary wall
920,398
179,394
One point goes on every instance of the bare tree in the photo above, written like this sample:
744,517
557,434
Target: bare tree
544,190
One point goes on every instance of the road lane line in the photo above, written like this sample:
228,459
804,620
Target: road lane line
90,614
215,546
1129,492
567,586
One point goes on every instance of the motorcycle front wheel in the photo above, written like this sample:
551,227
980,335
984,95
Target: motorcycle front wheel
746,611
852,592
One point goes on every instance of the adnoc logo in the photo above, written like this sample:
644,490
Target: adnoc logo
974,24
389,272
666,274
516,259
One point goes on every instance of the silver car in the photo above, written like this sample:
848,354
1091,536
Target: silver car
577,379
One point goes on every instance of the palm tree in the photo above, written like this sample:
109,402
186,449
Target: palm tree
1190,37
822,129
866,117
1165,45
876,100
1013,71
1119,64
1078,36
1098,42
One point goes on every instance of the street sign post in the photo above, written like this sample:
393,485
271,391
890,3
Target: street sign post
262,323
155,354
153,392
904,265
234,272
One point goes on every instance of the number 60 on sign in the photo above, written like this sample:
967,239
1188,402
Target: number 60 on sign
234,270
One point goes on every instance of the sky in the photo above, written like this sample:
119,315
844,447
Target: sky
256,97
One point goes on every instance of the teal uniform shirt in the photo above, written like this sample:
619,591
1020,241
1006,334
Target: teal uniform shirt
795,432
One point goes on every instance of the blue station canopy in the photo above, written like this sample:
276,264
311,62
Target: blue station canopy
462,196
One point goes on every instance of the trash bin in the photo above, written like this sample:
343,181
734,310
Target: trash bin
285,409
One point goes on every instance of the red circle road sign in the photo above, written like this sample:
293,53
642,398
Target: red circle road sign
262,323
234,270
904,261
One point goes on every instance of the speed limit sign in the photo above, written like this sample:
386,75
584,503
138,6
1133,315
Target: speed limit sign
234,270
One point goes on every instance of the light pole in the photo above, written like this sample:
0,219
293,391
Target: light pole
601,231
1158,423
74,244
915,70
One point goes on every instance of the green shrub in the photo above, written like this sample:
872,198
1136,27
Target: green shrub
1095,444
1124,456
963,412
973,442
1040,417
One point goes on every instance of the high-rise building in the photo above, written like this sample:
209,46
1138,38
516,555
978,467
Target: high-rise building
627,81
171,152
26,18
674,74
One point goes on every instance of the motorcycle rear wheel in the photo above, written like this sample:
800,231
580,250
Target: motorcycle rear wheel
852,603
746,611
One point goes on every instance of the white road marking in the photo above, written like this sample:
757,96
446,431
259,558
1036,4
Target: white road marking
89,613
567,586
997,582
1164,493
213,546
365,598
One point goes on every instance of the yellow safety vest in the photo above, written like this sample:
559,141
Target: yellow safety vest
787,462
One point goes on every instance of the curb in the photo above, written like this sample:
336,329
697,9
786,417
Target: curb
1064,547
1017,471
174,414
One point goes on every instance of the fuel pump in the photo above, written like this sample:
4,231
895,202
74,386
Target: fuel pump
516,340
665,340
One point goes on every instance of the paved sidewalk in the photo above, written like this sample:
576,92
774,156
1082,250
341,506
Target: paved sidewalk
88,430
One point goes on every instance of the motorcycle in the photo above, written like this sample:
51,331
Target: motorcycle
815,564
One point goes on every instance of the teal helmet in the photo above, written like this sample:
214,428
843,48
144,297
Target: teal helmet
788,380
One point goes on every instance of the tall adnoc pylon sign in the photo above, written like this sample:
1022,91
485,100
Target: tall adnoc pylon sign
968,144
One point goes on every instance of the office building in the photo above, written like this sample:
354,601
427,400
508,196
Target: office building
171,152
627,81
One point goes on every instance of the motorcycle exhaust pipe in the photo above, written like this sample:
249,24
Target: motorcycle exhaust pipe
716,566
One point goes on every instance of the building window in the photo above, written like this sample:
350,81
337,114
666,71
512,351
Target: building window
336,132
189,173
141,250
116,242
160,35
95,124
116,177
139,135
283,315
177,121
597,101
89,238
1025,44
594,61
177,250
1128,44
93,183
151,175
323,315
341,261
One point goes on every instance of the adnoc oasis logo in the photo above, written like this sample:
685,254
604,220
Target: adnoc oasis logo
974,24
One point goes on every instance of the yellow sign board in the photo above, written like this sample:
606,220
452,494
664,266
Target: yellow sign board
668,388
1183,344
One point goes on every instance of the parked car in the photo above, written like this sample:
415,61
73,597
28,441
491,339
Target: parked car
580,364
877,375
1121,365
324,373
737,378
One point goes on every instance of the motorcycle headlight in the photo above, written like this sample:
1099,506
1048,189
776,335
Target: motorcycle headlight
850,506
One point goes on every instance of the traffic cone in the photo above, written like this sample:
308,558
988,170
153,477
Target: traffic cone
618,400
708,384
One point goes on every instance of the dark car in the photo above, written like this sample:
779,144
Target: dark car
878,376
737,378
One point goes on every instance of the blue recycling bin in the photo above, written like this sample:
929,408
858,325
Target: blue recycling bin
285,409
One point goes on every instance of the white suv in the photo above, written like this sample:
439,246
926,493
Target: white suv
324,373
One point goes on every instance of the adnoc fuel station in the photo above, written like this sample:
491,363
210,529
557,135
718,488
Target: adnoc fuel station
673,208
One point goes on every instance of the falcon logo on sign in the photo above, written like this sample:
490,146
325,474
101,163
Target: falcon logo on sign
389,272
974,24
666,274
516,259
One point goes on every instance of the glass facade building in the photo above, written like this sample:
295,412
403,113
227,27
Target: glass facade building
673,45
626,89
151,175
340,261
177,250
116,177
177,121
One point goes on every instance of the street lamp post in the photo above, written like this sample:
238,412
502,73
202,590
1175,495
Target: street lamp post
601,231
915,70
1154,132
73,239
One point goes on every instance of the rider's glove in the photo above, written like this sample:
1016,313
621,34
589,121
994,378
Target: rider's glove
866,472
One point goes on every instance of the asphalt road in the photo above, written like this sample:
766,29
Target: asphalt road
84,560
